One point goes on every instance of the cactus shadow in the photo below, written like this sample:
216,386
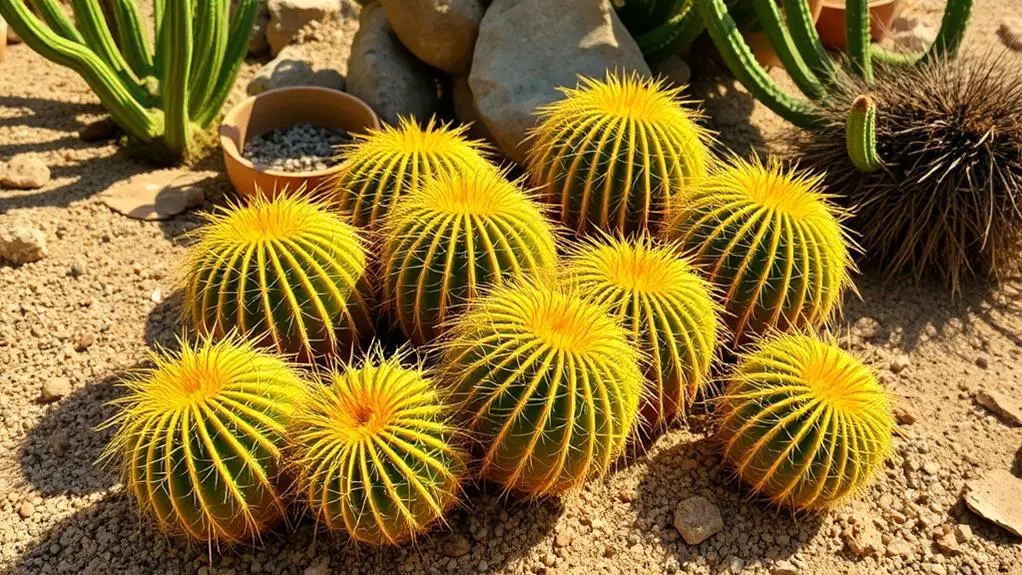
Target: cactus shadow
755,531
728,108
163,326
58,454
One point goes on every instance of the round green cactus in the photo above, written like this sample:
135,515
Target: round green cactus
454,237
547,382
667,309
613,153
375,453
385,164
285,272
771,242
804,423
200,435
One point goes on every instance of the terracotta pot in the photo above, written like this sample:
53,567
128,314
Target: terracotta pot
282,108
3,38
760,42
831,24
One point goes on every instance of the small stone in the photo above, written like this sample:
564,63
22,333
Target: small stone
982,361
900,363
626,495
562,540
1010,32
784,567
26,509
456,546
549,559
865,540
24,173
697,519
898,548
931,468
905,415
995,497
287,17
59,444
84,342
100,130
963,533
1007,408
22,242
55,389
78,269
735,565
483,566
609,550
948,544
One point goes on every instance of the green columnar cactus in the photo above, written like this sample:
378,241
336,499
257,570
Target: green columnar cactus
162,93
660,27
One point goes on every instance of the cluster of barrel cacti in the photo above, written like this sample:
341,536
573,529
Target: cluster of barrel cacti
545,351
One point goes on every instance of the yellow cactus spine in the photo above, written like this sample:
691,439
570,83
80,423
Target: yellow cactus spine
454,237
547,383
611,154
667,309
374,452
804,423
383,165
199,436
284,272
771,242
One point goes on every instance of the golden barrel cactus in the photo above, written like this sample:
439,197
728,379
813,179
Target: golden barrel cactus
667,308
284,272
454,237
803,422
199,437
771,242
611,154
374,451
383,165
547,383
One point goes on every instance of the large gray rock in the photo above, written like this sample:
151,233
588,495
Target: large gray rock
312,64
287,17
385,74
528,48
441,33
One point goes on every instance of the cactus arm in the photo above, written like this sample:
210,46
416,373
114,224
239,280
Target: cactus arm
773,24
952,29
883,56
93,27
245,15
114,95
861,135
743,65
177,41
213,23
674,35
807,40
56,19
858,39
159,9
134,42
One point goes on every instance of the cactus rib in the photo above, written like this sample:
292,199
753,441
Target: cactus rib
777,31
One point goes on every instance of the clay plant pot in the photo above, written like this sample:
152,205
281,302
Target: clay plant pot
283,108
831,24
760,44
3,38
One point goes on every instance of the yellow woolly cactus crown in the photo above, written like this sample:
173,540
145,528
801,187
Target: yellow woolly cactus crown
803,422
285,272
771,241
383,165
374,451
199,437
611,154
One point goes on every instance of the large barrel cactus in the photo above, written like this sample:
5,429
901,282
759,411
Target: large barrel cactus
166,91
455,237
374,451
803,422
547,382
285,272
667,308
383,165
771,242
611,154
199,437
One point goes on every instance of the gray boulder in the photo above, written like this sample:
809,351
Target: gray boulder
526,49
441,33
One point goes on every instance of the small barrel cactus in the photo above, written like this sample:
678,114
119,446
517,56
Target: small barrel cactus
611,154
199,436
666,307
771,242
285,272
385,164
547,382
455,236
374,452
803,422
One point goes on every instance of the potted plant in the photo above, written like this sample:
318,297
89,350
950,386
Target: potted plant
280,110
831,23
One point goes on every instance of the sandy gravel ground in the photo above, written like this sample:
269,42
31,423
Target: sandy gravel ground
59,514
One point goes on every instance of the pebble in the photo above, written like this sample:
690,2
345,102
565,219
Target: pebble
26,509
864,540
562,540
697,519
982,362
300,148
78,269
55,389
22,242
1010,33
900,363
102,129
84,341
784,567
456,546
24,173
1006,407
963,533
931,468
905,415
